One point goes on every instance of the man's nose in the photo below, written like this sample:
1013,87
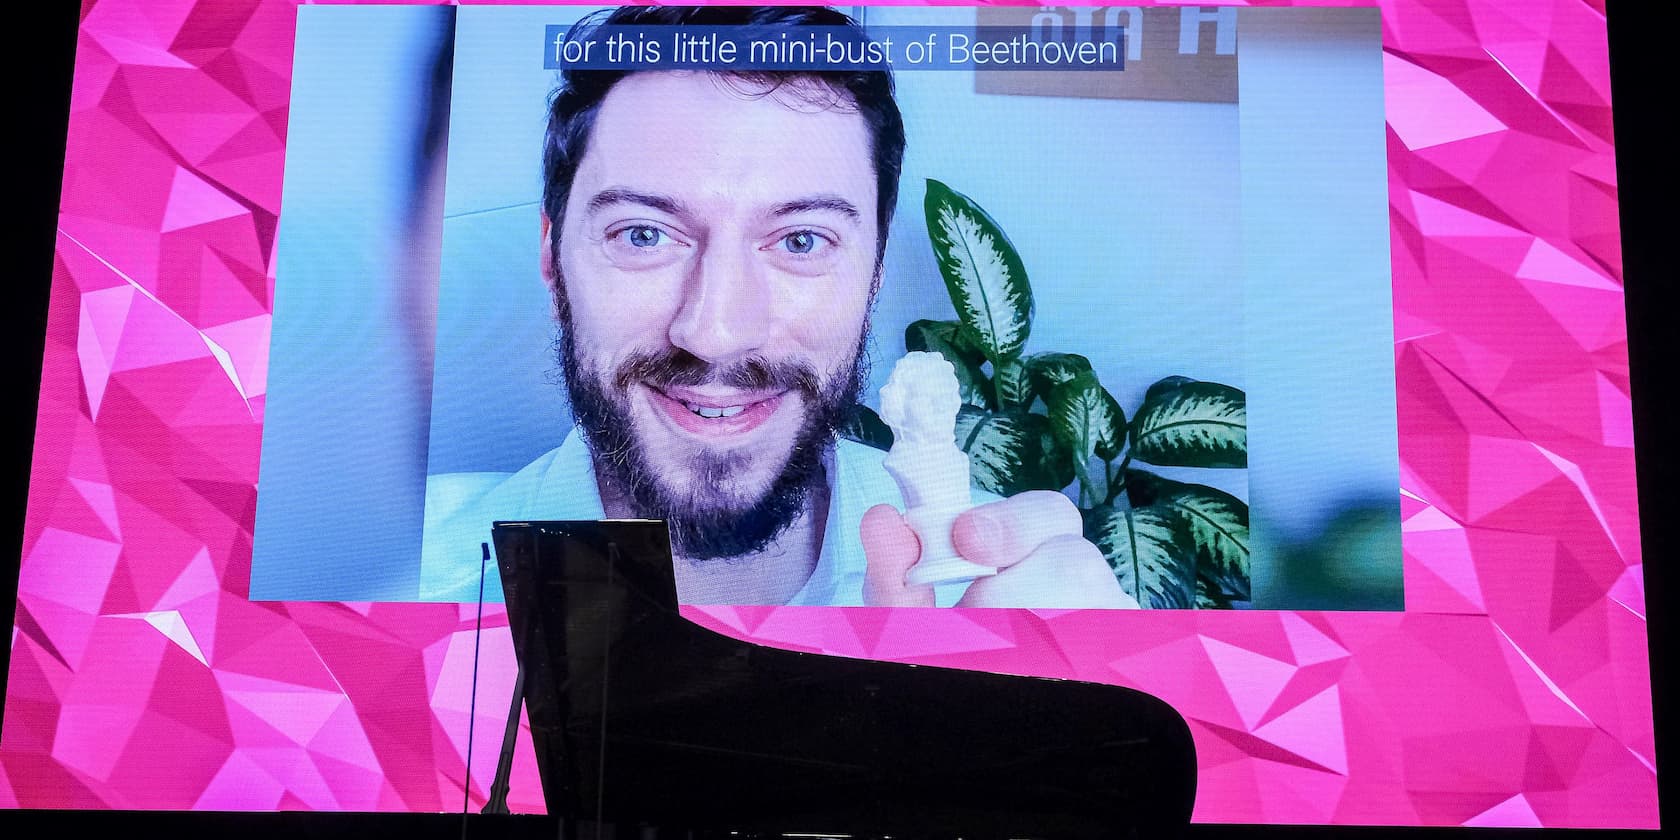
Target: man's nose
725,311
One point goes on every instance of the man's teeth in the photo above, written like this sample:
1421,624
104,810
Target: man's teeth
714,413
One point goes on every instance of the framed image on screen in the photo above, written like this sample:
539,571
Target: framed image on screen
1302,330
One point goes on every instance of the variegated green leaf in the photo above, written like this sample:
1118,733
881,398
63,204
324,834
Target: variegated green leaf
943,337
982,271
1010,451
946,339
1086,418
1009,376
1208,596
1145,488
1148,552
1218,525
867,427
1047,370
1056,466
1215,522
1186,423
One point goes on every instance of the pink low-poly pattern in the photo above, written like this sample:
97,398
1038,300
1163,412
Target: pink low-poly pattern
1514,689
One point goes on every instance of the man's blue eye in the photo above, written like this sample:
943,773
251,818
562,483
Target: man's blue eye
642,236
801,242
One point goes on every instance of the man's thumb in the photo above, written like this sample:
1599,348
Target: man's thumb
890,548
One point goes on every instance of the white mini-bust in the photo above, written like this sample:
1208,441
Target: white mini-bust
920,402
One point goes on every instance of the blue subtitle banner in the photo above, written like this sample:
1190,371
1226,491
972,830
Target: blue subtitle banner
830,48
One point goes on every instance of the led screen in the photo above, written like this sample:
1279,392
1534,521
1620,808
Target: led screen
1384,238
1137,279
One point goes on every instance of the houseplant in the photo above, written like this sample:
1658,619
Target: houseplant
1044,421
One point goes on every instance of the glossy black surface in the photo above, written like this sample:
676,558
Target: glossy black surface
705,732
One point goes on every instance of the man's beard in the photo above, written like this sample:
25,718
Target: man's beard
706,521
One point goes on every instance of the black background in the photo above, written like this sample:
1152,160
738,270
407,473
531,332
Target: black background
40,49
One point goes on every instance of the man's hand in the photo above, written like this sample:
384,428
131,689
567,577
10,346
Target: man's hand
1034,539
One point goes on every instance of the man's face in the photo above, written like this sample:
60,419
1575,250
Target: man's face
716,266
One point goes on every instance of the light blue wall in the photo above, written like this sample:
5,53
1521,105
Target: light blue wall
1321,414
495,405
345,422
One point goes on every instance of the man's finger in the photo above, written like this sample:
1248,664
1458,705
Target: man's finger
890,548
1065,572
1002,533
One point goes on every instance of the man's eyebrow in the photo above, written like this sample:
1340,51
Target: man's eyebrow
616,195
818,202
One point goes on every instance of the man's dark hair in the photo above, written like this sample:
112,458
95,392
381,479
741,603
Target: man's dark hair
572,110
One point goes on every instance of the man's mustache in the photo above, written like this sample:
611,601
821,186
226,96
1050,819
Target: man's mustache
677,367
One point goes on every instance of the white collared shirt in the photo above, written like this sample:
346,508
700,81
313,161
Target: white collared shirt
560,485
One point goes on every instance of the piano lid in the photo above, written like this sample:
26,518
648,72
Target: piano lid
641,717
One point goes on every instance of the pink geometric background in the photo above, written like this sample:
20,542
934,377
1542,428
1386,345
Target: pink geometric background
1514,689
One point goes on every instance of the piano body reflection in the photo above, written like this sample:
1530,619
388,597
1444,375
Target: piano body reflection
641,718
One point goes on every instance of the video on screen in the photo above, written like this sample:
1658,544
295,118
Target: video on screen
830,295
940,335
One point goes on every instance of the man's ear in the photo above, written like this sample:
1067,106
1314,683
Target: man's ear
547,254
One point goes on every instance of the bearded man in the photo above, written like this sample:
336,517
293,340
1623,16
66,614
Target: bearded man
714,243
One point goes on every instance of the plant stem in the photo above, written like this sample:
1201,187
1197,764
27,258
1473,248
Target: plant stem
1117,480
1087,493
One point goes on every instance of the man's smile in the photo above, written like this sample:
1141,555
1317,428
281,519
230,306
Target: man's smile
715,414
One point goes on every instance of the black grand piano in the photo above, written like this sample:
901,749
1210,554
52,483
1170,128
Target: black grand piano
650,725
